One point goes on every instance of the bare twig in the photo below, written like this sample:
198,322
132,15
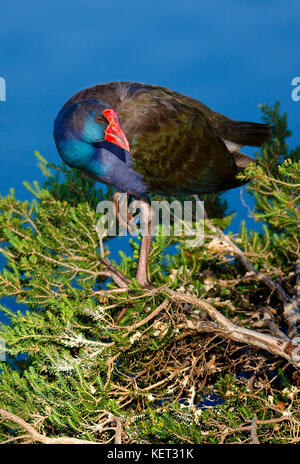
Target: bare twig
292,309
225,328
118,431
154,313
254,437
110,363
245,428
35,436
111,292
116,275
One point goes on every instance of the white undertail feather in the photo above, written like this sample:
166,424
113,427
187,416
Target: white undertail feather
232,147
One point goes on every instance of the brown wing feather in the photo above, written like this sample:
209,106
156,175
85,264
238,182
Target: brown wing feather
173,145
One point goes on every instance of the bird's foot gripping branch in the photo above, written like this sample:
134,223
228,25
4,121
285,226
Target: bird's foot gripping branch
176,218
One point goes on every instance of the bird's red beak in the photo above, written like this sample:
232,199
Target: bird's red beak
114,133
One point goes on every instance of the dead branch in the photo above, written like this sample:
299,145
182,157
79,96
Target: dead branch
291,310
118,431
244,428
34,436
254,437
154,313
287,349
116,275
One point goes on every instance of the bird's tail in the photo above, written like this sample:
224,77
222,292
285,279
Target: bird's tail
248,133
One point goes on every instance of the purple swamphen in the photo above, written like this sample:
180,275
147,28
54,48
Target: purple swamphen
143,138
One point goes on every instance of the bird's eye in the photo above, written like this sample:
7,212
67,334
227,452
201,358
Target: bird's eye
98,118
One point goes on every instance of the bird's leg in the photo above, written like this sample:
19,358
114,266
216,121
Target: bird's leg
117,199
142,275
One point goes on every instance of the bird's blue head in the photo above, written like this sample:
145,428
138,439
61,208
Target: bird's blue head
80,126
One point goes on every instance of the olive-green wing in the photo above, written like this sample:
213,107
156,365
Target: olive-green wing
173,145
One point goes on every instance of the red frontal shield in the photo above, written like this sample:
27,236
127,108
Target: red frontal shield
114,133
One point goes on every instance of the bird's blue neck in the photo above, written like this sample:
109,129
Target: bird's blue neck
82,155
105,161
74,152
